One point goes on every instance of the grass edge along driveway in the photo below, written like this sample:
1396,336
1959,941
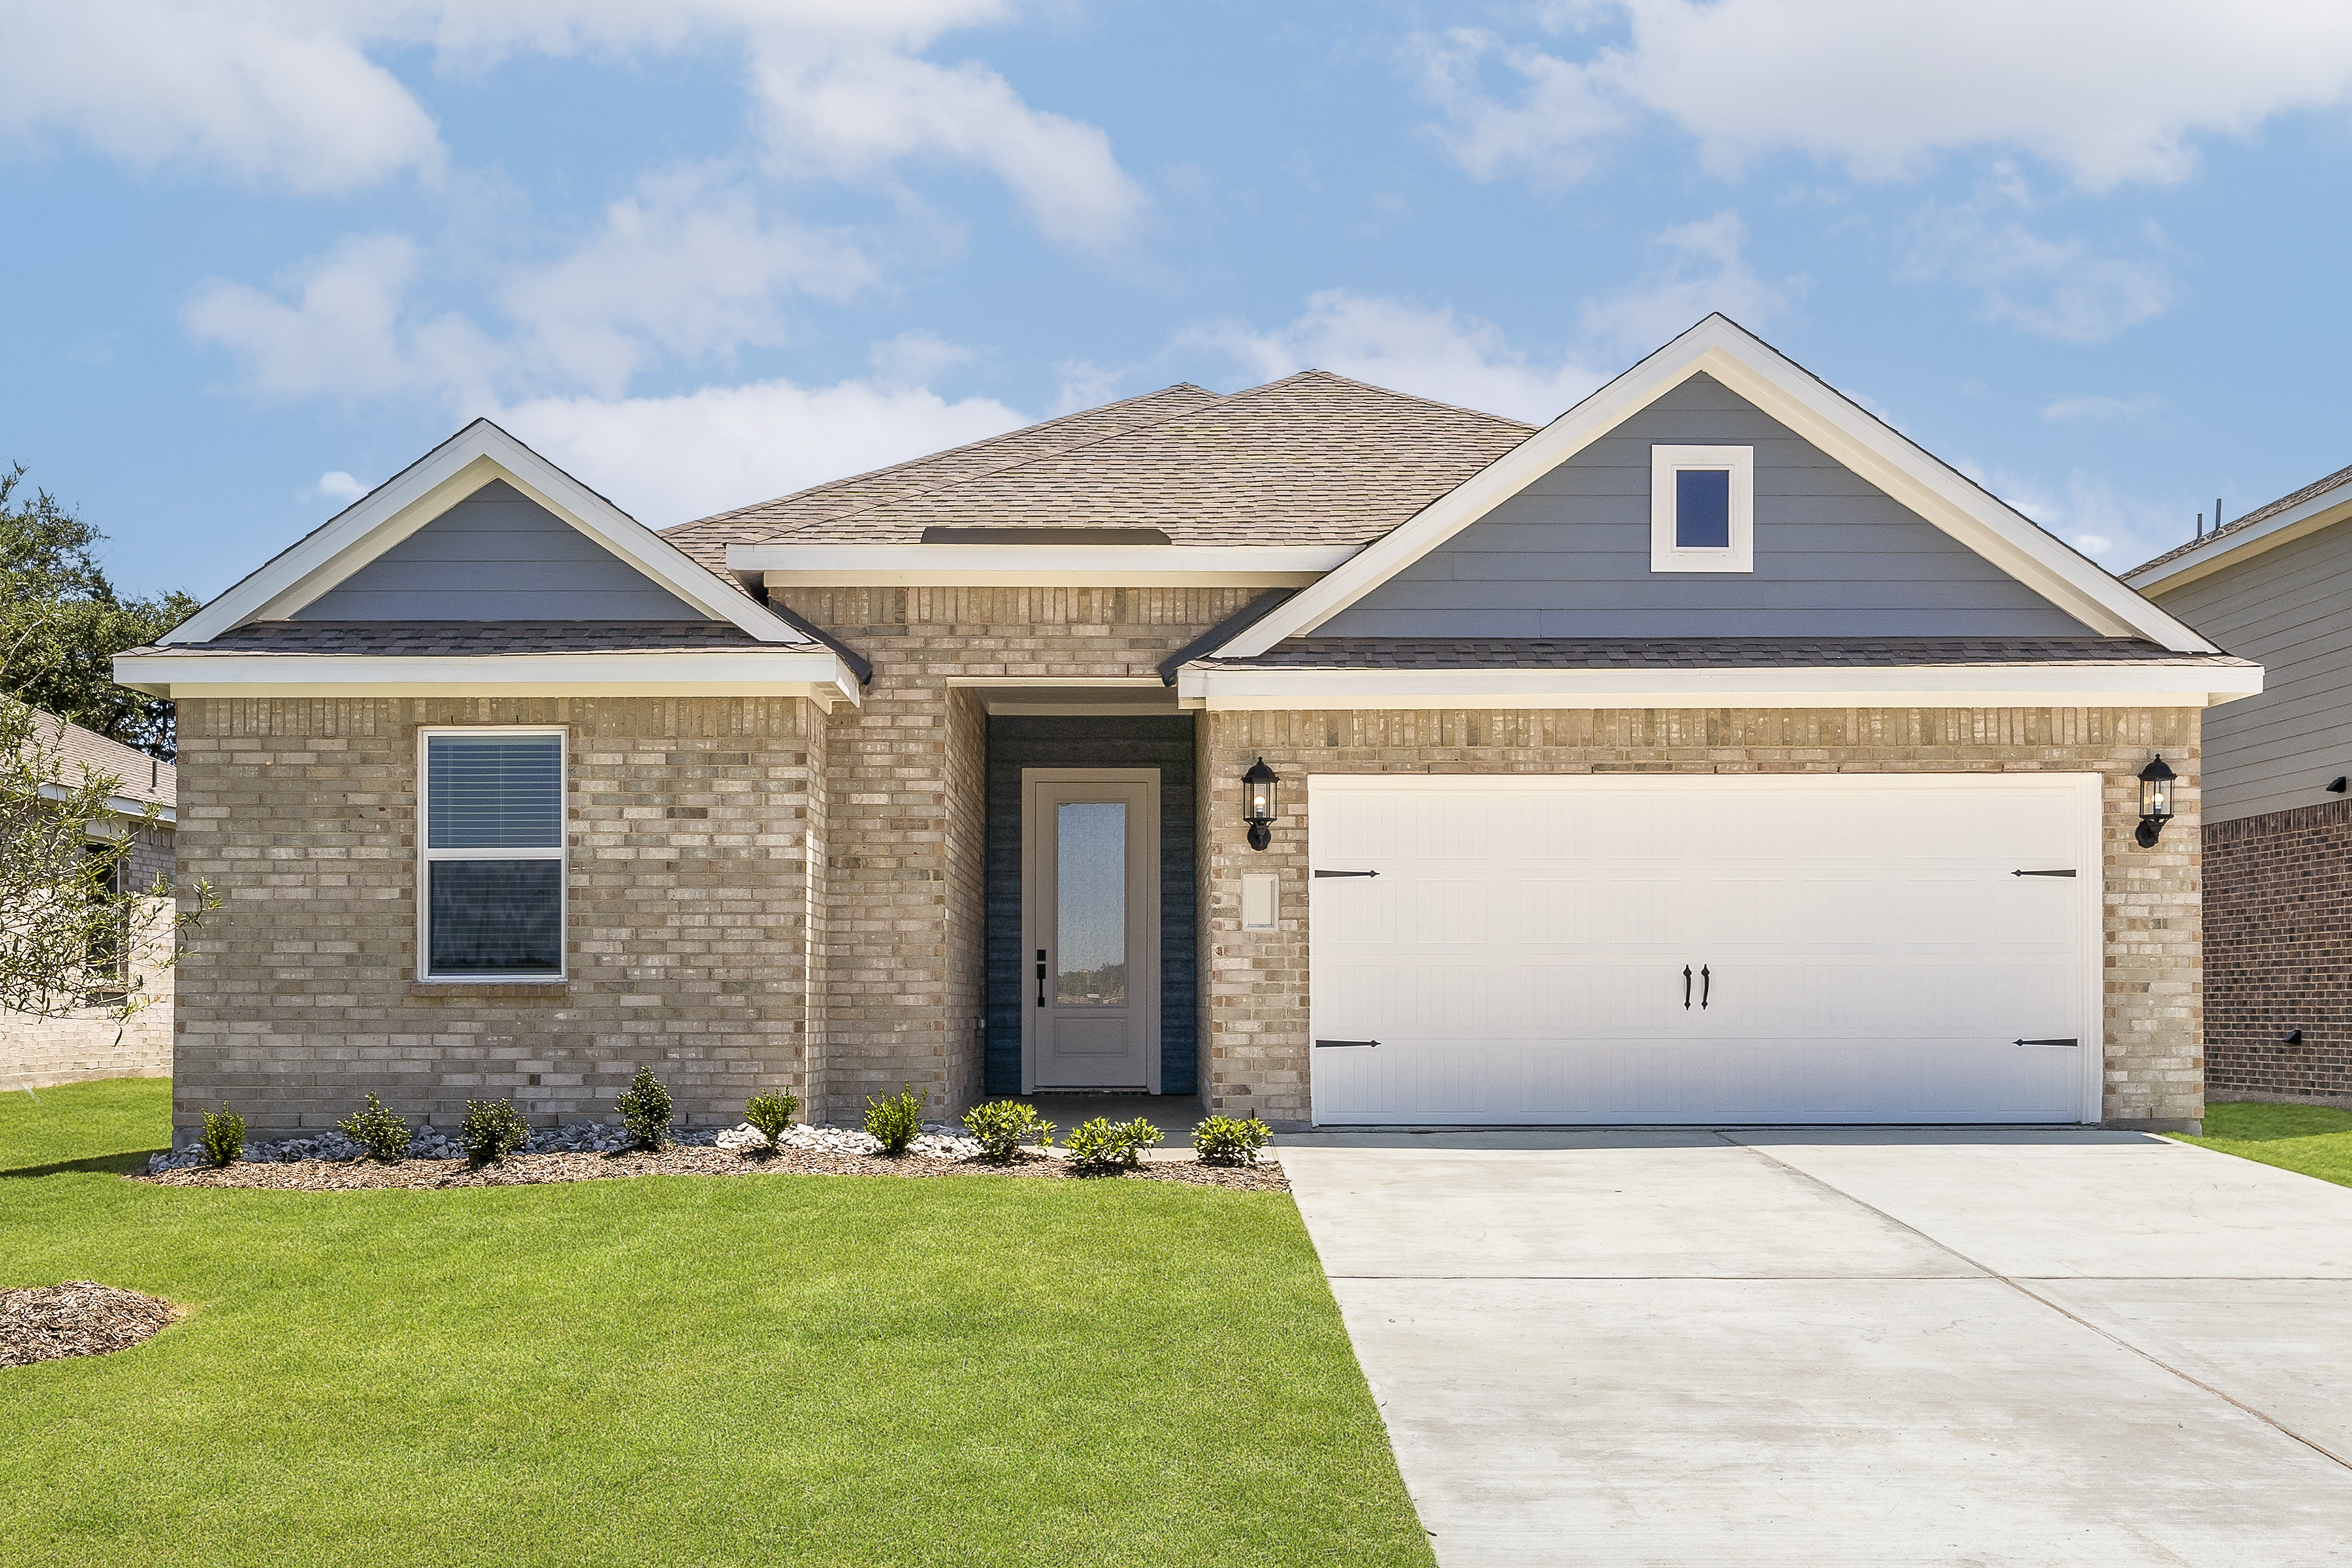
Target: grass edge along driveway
748,1368
2315,1140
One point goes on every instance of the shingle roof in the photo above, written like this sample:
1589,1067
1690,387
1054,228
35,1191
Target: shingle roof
1703,653
1314,458
144,779
2260,514
456,637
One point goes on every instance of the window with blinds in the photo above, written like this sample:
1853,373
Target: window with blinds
492,858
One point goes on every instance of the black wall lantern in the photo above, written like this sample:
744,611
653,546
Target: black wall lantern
1257,803
2155,802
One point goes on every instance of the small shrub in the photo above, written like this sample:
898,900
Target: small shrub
1230,1141
770,1114
1102,1143
494,1129
1002,1126
377,1129
645,1107
894,1121
223,1139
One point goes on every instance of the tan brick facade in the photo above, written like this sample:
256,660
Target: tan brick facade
37,1052
696,862
903,945
1257,1043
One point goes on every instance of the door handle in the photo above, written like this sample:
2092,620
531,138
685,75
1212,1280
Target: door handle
1705,984
1685,987
1041,977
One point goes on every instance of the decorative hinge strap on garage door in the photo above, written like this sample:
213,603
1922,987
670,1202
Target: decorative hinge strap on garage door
1327,1045
2067,873
1376,873
2046,1042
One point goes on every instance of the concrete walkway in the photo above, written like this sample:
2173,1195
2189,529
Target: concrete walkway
1880,1347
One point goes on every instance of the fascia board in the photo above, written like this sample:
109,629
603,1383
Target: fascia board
1018,565
2322,510
430,487
121,805
800,671
1938,686
1805,403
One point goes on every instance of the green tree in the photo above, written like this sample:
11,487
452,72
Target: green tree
61,623
73,933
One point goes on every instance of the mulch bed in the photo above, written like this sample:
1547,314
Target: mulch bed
80,1316
531,1169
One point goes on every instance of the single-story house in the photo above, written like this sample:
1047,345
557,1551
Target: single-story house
2276,586
1712,755
96,1041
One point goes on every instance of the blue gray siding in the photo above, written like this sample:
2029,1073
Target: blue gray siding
1027,742
2291,610
497,556
1570,555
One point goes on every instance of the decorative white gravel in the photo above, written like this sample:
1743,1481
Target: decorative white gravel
938,1141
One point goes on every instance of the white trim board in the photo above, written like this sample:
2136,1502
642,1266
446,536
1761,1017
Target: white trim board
454,469
1916,686
2321,510
1036,565
807,671
1794,396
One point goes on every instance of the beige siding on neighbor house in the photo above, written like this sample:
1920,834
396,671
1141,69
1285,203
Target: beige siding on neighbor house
2290,610
1255,1027
697,849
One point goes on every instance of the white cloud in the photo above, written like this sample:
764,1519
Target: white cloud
259,92
2107,91
667,460
1432,353
680,270
1703,271
335,485
2116,531
853,112
2061,289
2092,407
286,92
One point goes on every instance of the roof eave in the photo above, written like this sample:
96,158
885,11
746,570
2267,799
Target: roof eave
2244,542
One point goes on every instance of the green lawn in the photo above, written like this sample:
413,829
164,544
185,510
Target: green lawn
677,1369
2314,1139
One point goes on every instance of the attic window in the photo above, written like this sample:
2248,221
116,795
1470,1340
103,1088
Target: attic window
1702,509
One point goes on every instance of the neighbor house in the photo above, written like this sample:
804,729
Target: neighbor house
2276,586
1711,754
97,1040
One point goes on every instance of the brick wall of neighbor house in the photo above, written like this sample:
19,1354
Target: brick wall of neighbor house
1256,1025
2278,955
903,945
37,1052
697,830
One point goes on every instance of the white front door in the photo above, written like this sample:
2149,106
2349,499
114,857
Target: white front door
1090,925
1643,949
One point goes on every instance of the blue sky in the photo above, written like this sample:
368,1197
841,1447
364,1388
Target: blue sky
708,252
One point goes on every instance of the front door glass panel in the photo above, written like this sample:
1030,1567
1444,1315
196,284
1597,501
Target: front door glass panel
1090,904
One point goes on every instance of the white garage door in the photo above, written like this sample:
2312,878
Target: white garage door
1709,950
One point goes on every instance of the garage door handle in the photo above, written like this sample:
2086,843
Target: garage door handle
1322,874
1327,1044
1685,987
1706,985
2067,873
2046,1042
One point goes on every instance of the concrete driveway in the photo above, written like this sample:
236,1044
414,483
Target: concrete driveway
1873,1346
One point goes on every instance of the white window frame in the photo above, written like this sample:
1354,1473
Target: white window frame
426,855
1739,556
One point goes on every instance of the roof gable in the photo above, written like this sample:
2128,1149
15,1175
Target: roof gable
1847,434
438,484
1570,555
